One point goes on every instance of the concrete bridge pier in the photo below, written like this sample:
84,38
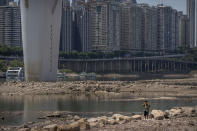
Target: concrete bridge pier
41,21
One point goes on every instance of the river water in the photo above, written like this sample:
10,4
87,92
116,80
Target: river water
21,109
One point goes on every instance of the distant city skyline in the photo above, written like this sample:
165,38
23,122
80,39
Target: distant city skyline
180,5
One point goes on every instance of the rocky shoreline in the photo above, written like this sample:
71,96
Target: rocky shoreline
178,118
180,87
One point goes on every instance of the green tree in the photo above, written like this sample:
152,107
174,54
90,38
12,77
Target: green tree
3,66
10,51
16,63
74,54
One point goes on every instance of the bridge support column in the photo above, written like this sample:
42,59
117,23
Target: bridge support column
119,66
134,65
111,66
127,67
86,66
152,69
103,66
41,21
180,67
140,65
95,67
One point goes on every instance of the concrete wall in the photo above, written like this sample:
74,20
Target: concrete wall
41,20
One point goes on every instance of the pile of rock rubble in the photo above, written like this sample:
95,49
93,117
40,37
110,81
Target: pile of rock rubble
79,124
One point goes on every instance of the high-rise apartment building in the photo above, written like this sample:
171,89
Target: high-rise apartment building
10,25
183,30
5,2
136,27
150,28
191,15
86,29
131,18
167,28
114,27
66,28
125,25
81,34
99,25
104,26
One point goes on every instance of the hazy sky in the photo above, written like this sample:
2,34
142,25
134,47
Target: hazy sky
180,5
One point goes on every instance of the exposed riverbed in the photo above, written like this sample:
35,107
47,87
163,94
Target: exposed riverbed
27,102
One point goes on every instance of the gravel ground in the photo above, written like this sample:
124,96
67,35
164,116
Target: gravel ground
175,124
180,87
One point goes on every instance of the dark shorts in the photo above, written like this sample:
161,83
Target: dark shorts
146,113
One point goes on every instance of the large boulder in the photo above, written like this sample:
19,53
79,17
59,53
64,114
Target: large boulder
69,127
173,112
189,111
118,117
84,125
51,127
92,120
136,117
55,114
103,119
93,124
81,124
158,114
98,122
121,119
24,129
76,118
112,121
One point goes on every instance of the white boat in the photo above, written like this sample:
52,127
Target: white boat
15,74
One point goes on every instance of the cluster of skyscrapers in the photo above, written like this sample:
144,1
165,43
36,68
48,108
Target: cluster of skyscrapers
111,25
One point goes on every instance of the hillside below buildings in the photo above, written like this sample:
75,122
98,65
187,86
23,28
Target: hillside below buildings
112,25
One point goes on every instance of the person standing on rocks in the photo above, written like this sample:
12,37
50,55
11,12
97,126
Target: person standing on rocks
146,109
